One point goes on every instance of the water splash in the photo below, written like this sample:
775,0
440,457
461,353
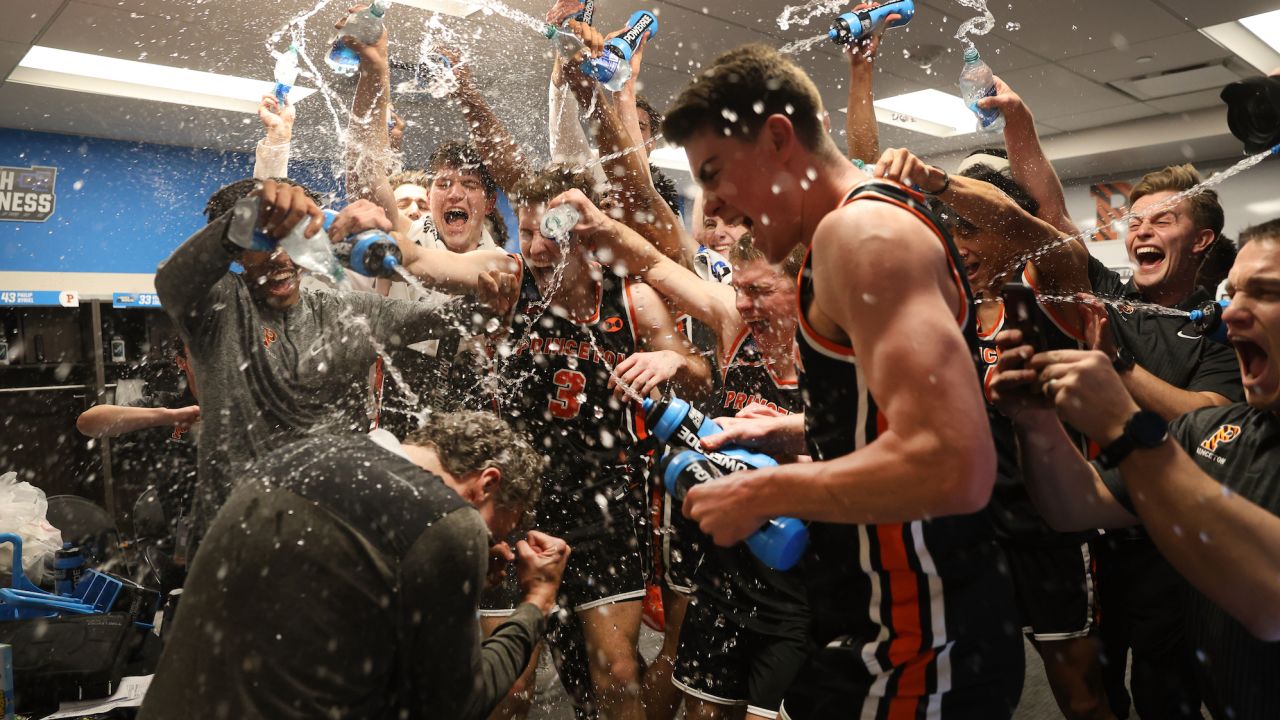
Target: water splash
798,46
980,25
804,14
614,156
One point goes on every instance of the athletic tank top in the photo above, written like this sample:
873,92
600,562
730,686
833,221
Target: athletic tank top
747,379
923,605
557,374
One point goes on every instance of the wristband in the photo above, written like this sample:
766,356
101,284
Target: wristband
946,184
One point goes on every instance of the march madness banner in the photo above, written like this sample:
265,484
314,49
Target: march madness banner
27,194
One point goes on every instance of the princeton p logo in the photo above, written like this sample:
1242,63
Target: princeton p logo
1222,435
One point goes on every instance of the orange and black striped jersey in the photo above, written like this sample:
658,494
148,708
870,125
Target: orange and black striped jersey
921,608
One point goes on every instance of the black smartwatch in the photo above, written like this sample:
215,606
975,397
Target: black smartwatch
1123,362
1144,431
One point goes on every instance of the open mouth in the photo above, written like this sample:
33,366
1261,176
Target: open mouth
1149,258
971,270
280,281
456,218
1253,360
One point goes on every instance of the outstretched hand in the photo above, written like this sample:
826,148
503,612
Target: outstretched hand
901,166
498,291
357,217
644,372
283,206
593,224
375,52
563,10
1008,102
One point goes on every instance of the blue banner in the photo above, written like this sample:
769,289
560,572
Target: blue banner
39,298
135,300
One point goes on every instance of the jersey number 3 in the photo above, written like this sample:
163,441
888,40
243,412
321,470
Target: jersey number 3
566,404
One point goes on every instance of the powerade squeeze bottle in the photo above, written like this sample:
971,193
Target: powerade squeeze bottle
779,543
363,25
857,24
613,67
976,83
1207,320
68,566
586,13
286,73
372,253
782,541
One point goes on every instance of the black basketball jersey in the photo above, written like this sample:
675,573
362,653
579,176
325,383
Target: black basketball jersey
748,379
923,605
1012,512
737,584
555,381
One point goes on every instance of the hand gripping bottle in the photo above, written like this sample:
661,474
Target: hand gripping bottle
857,24
558,222
587,13
613,67
1207,320
976,83
286,73
782,541
363,25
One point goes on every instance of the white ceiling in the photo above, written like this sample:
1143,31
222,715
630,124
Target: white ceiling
1058,55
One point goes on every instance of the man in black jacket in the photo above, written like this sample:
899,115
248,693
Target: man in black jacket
341,579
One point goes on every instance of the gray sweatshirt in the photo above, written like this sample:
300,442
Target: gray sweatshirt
268,376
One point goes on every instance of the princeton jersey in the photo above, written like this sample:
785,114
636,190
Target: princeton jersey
732,580
1013,515
747,379
557,376
920,609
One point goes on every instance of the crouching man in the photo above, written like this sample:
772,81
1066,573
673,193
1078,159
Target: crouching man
342,578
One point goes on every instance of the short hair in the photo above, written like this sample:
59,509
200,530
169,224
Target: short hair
1206,211
410,177
655,117
666,188
225,197
469,441
1269,230
551,181
463,157
742,89
745,251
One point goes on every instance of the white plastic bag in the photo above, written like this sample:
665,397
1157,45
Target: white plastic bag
22,512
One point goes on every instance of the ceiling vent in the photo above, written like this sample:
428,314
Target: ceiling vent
1177,82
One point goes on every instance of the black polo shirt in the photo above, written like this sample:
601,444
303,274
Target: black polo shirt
1239,447
1167,345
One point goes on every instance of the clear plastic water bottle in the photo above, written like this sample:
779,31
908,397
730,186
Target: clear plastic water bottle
856,24
977,82
559,221
314,253
613,67
365,26
567,42
286,73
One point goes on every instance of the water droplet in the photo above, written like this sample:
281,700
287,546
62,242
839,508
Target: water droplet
1012,26
758,106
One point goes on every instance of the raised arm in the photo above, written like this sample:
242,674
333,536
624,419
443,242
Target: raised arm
712,303
369,152
861,131
1031,167
271,156
501,153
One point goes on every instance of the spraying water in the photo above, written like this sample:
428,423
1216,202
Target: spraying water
980,25
804,14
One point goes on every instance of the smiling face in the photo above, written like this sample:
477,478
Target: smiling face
766,301
272,278
720,235
1253,321
750,178
985,258
458,205
1165,247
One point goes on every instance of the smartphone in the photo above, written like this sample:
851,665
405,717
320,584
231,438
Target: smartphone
1022,312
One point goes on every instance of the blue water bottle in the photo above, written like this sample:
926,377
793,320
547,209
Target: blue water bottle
372,253
613,67
1207,320
857,24
68,566
782,541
